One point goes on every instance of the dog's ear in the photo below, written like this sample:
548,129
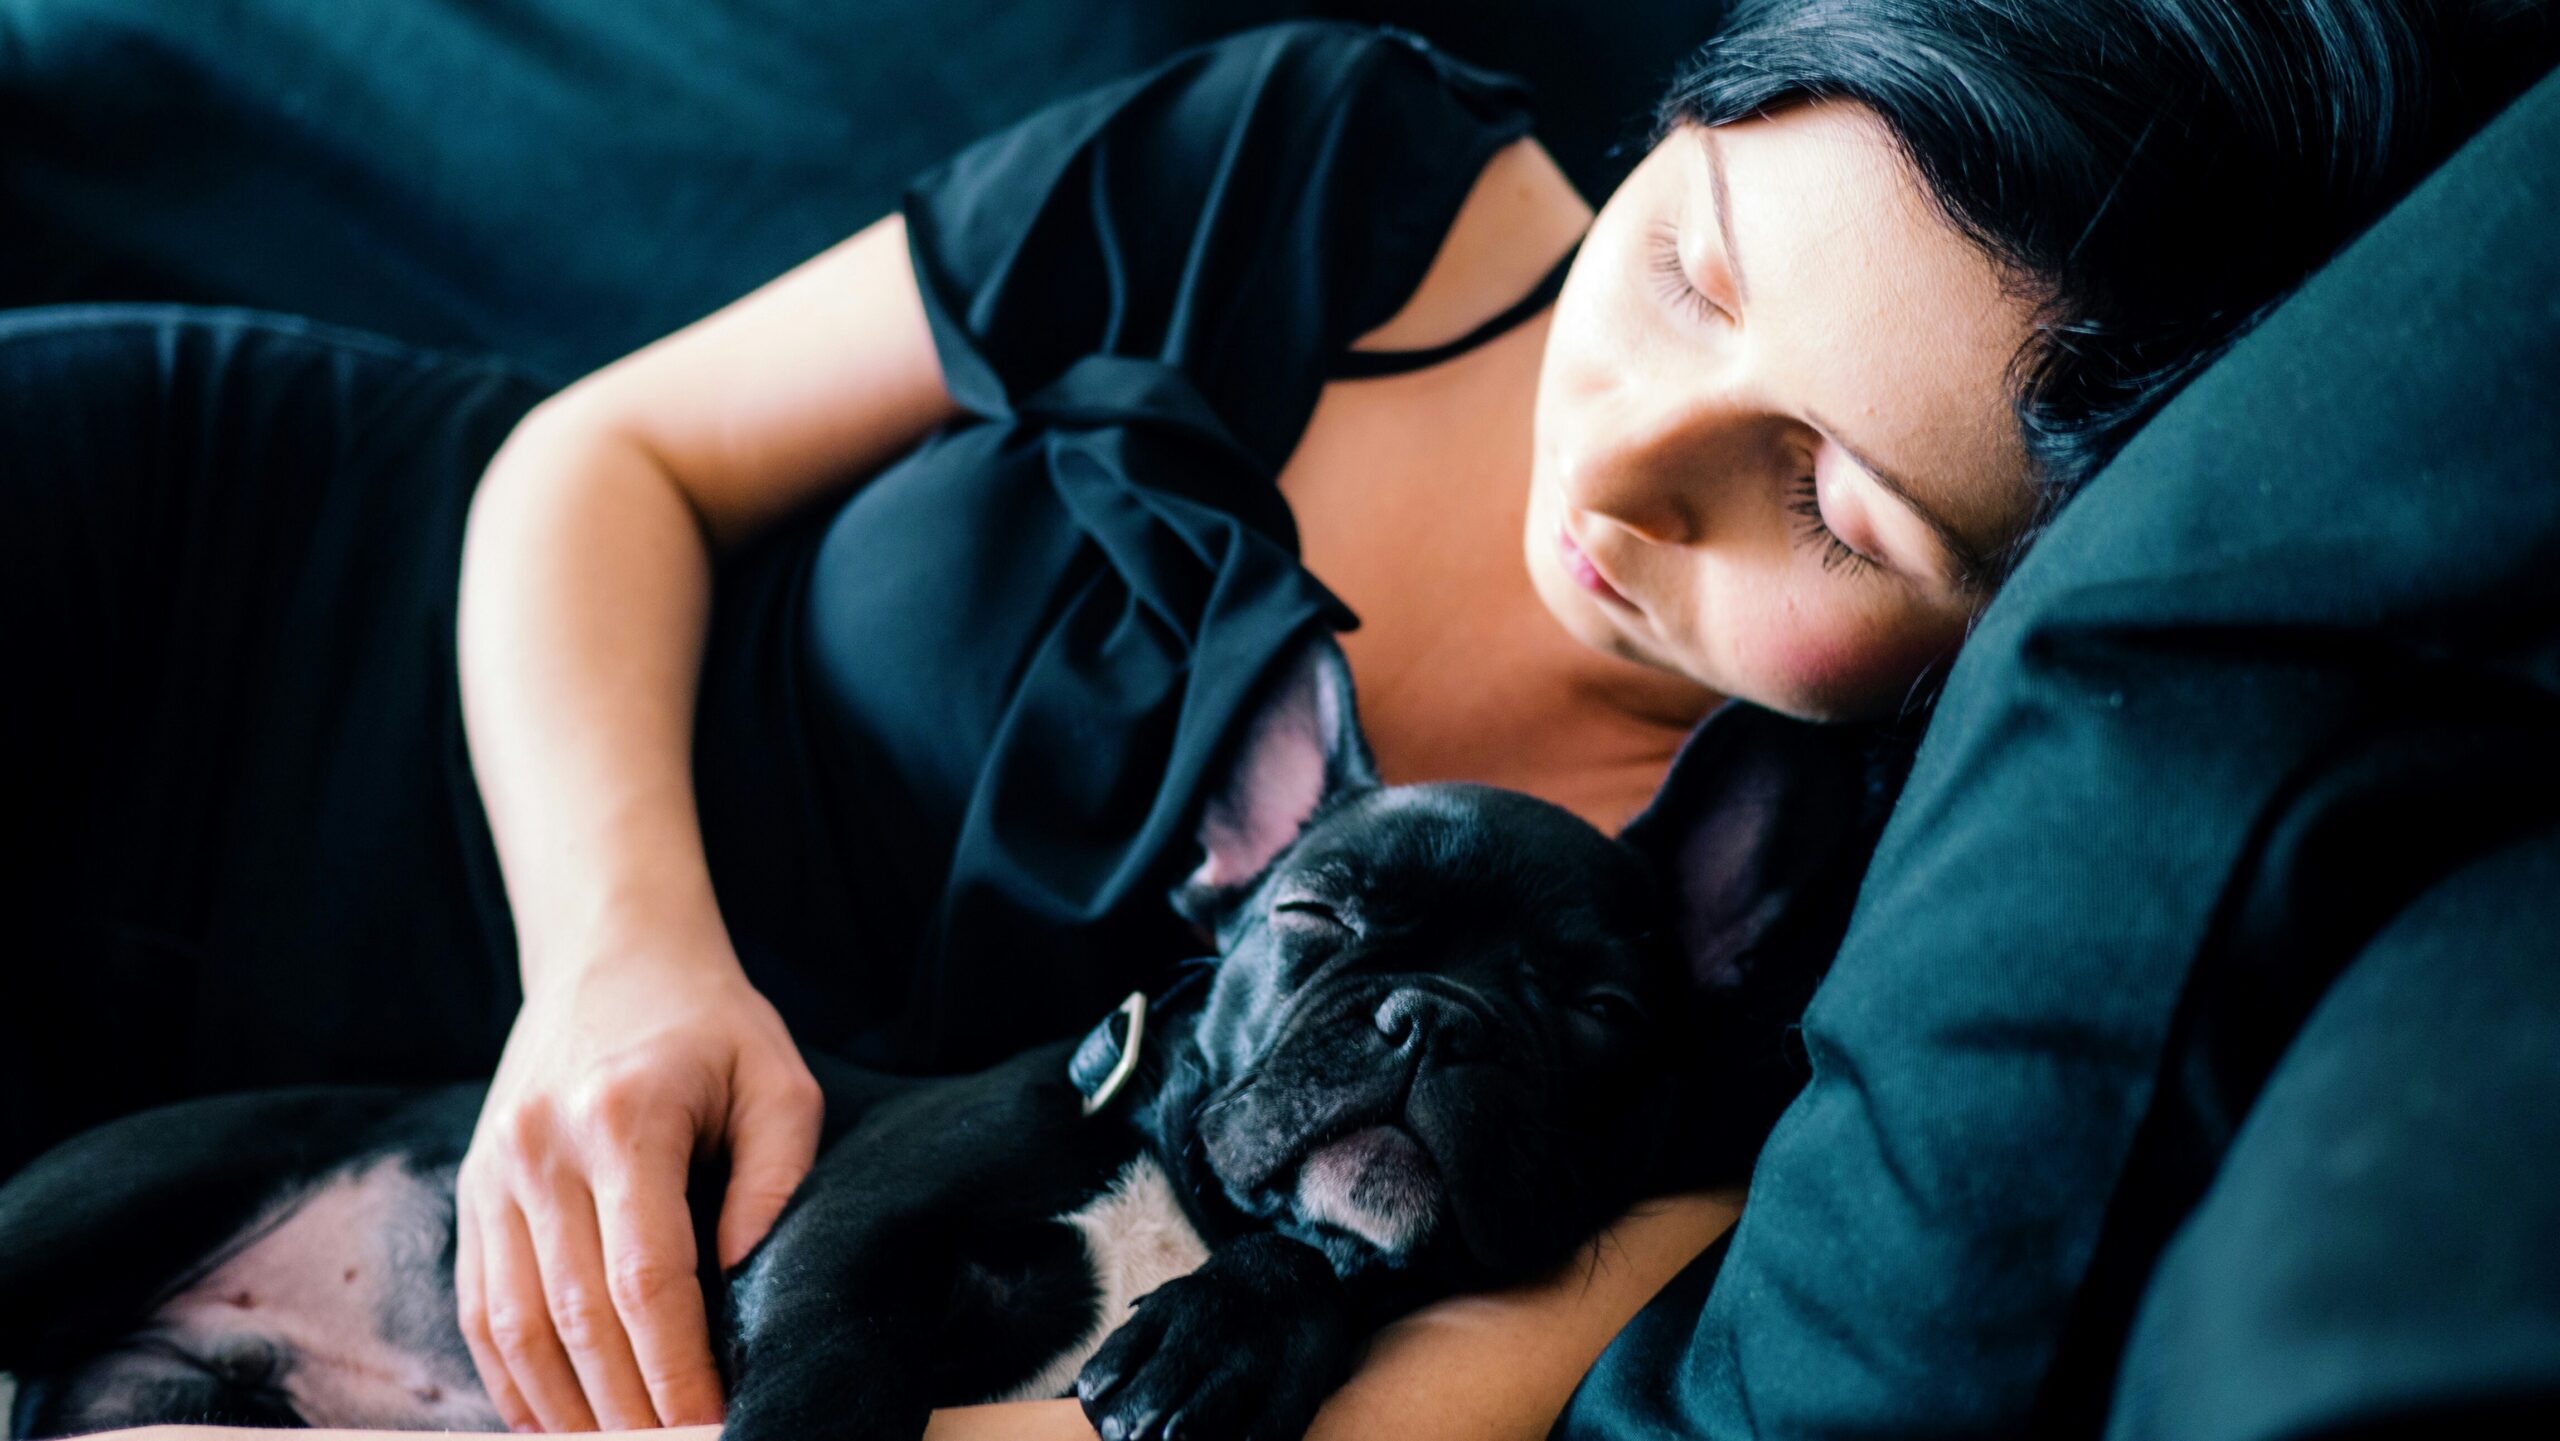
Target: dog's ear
1774,815
1760,855
1302,748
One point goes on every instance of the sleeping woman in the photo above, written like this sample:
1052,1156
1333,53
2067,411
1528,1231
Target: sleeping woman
841,668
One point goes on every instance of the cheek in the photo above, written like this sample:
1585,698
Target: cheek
1576,335
1821,659
1597,334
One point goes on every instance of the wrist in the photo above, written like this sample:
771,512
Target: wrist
614,938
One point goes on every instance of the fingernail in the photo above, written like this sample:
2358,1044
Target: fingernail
527,1427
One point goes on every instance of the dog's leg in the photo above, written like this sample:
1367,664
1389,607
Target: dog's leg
917,1266
834,1322
95,1230
143,1383
1248,1346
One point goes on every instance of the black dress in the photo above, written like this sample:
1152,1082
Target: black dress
951,730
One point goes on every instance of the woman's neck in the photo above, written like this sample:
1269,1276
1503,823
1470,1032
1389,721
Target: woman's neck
1412,495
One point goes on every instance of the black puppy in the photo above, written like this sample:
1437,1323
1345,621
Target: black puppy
1430,1057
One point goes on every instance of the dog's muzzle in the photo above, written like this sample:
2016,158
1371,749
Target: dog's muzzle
1324,1128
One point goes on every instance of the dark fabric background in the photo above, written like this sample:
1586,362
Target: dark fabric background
562,181
2374,1256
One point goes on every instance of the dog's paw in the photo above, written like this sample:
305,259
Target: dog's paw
1247,1347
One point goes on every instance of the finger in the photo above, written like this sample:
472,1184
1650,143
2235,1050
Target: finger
570,1251
649,1257
773,1140
520,1322
471,1310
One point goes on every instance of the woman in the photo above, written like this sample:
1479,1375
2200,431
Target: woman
1890,282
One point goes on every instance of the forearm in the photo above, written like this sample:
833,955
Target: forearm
585,591
1473,1368
1503,1364
1476,1368
586,575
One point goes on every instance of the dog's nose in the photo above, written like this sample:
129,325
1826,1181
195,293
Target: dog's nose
1413,1017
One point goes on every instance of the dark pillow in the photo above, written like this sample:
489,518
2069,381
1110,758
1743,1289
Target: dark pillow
2290,659
2374,1257
557,180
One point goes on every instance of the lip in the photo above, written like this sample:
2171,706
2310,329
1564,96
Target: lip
1586,574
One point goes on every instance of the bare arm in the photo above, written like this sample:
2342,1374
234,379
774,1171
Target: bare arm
1476,1368
1473,1368
1504,1364
586,571
585,591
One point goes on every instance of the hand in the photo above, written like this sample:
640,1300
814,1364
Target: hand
574,1256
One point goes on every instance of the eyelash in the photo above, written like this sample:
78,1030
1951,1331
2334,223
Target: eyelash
1675,281
1806,506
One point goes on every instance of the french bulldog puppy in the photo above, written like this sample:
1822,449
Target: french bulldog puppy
1431,1054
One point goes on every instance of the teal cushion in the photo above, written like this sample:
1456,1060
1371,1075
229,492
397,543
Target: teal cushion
2289,659
563,181
2375,1253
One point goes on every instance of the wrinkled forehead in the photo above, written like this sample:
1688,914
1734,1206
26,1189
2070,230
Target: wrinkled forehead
1449,828
1473,856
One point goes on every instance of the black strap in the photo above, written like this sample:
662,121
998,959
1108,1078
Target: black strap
1365,364
1098,1055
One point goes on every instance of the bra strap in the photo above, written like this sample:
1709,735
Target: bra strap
1364,364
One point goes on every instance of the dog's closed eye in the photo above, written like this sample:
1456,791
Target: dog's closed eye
1308,911
1609,1006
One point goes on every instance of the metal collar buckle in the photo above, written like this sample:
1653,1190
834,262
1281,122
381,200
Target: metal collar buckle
1104,1061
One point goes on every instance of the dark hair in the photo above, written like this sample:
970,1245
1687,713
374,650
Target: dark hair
2155,173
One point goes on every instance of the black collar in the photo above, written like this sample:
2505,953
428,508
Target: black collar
1109,1053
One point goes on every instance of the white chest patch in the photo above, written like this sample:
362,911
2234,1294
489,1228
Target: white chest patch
1137,1238
346,1288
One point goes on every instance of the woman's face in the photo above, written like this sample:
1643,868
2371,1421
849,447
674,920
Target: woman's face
1773,431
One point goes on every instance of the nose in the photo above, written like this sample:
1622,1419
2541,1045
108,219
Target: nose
1650,462
1412,1018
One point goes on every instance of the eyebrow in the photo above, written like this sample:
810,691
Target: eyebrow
1972,567
1724,211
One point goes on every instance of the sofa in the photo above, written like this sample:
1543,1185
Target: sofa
562,181
2189,1067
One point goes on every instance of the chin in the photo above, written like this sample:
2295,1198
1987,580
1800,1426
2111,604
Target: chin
1588,620
1583,618
1578,614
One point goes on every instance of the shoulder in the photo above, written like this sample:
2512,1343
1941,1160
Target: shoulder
1268,113
1249,205
1520,210
1520,214
1341,71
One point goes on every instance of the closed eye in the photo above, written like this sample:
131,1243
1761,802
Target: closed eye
1309,912
1610,1007
1805,504
1672,278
